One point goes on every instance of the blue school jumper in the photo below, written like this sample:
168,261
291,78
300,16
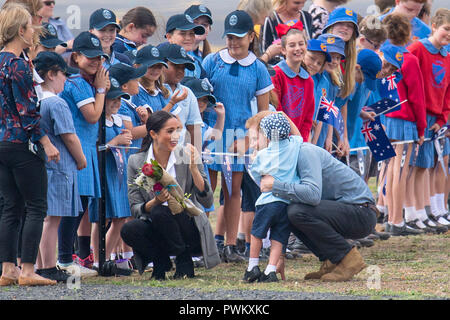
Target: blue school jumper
235,84
62,194
78,93
122,44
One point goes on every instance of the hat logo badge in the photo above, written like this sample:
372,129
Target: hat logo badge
331,40
399,56
155,52
202,8
188,17
324,92
206,85
323,46
95,42
115,83
107,14
183,52
233,20
134,52
349,12
51,30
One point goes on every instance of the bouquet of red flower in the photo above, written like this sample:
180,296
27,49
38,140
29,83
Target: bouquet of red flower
154,178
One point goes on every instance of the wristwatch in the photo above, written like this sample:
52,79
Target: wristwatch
101,90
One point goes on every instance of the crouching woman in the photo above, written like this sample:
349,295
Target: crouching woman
156,233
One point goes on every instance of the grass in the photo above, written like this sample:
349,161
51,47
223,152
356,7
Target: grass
414,267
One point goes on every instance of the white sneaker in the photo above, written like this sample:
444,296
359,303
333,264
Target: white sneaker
76,269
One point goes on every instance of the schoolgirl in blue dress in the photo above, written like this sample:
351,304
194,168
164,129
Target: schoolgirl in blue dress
85,95
237,76
62,194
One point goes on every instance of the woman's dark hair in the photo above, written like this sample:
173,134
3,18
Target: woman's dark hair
155,122
140,17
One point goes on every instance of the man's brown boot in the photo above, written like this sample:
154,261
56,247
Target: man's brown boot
350,265
326,267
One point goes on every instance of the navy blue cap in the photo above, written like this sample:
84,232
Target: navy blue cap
149,56
89,45
49,39
333,43
131,54
183,22
123,72
176,54
45,60
319,46
392,54
200,88
370,64
115,90
101,18
199,10
238,23
342,15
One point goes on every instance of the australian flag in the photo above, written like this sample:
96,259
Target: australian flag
329,113
387,87
377,140
385,105
120,164
227,173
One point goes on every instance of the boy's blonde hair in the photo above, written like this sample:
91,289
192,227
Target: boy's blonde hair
372,29
12,17
255,8
441,17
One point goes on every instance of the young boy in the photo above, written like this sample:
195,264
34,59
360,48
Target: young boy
277,156
186,110
372,34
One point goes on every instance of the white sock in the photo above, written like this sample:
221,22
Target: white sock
113,256
410,214
420,224
252,262
399,225
127,255
434,206
421,214
381,208
440,203
270,268
95,264
443,221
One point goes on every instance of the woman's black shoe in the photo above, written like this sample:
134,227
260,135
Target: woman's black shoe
139,263
230,254
271,277
184,266
251,276
54,274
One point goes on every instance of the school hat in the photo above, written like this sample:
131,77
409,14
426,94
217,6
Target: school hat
199,10
45,60
238,23
49,39
183,22
176,54
370,64
319,46
115,90
89,45
342,15
334,43
131,54
101,18
392,54
200,88
149,56
123,72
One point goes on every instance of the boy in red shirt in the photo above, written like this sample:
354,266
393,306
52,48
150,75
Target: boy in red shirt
434,62
293,85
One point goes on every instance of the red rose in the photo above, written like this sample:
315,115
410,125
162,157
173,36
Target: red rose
147,170
158,187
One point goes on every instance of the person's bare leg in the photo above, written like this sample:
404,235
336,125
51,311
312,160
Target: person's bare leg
232,208
47,246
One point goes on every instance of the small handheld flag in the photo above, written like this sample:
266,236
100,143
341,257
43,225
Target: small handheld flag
329,113
377,140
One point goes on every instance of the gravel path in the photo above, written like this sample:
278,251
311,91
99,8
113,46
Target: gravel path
126,292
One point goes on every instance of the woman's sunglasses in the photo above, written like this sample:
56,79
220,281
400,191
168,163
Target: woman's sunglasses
49,3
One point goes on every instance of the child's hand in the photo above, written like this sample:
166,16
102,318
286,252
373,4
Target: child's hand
177,97
435,127
124,138
220,109
82,163
101,78
367,115
143,113
195,157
